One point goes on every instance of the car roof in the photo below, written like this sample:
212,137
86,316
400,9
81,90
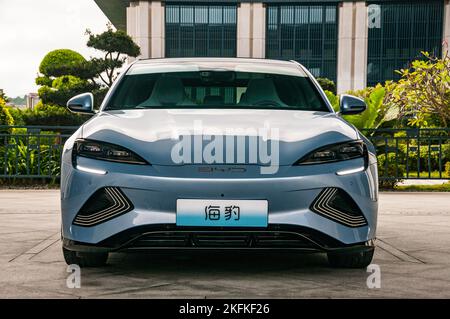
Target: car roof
249,64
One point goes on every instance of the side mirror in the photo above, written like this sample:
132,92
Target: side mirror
82,103
351,105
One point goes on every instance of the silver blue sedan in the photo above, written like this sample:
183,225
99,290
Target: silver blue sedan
206,153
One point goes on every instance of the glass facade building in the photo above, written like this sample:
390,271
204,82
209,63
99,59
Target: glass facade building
403,31
305,33
354,43
200,30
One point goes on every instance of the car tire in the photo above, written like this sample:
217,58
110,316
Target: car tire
360,259
85,259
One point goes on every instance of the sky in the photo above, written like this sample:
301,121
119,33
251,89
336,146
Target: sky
29,29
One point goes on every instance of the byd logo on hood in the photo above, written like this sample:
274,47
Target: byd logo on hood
230,146
210,169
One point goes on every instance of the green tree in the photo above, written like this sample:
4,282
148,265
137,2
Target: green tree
61,62
5,119
63,74
422,95
3,96
116,45
5,116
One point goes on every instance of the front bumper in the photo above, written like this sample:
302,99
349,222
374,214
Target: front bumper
172,237
154,190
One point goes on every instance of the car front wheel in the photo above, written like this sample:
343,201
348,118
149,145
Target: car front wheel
85,259
360,259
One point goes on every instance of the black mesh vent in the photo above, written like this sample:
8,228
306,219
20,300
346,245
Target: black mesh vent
337,205
103,205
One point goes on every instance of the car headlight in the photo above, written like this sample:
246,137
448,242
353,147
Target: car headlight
105,152
336,153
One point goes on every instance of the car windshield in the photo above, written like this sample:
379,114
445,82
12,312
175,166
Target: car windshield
194,88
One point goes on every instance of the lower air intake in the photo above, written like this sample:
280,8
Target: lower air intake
105,204
337,205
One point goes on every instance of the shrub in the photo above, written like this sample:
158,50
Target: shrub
17,116
61,62
423,92
68,82
24,160
334,100
5,119
378,110
45,114
63,88
447,169
327,85
64,73
390,172
5,115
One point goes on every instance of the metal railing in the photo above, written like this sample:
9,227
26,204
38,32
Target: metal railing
411,153
35,152
32,151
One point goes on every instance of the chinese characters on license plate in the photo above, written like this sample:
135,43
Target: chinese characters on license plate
214,212
232,213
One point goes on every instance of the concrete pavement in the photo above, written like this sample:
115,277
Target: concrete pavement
413,254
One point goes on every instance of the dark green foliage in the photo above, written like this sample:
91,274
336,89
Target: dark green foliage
112,41
116,45
389,169
51,115
3,96
327,85
5,115
26,160
61,62
63,75
66,73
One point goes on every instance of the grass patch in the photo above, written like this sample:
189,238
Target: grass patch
434,174
424,188
28,183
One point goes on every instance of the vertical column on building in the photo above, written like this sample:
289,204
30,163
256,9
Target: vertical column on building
244,30
157,33
251,30
361,44
145,24
345,31
446,31
138,25
259,31
352,46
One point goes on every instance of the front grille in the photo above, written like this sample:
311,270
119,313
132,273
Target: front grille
335,204
105,204
223,239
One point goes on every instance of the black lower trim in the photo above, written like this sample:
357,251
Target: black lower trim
169,237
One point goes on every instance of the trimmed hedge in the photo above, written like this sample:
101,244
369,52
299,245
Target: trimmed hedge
61,62
5,115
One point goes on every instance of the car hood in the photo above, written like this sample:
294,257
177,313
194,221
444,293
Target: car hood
152,134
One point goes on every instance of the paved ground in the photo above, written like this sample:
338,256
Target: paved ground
408,182
413,254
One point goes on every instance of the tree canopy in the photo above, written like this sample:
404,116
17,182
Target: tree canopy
423,93
116,45
64,72
61,62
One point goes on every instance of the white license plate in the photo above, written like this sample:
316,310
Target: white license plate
228,213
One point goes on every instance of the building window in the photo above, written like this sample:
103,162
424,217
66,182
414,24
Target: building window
398,33
305,33
201,30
